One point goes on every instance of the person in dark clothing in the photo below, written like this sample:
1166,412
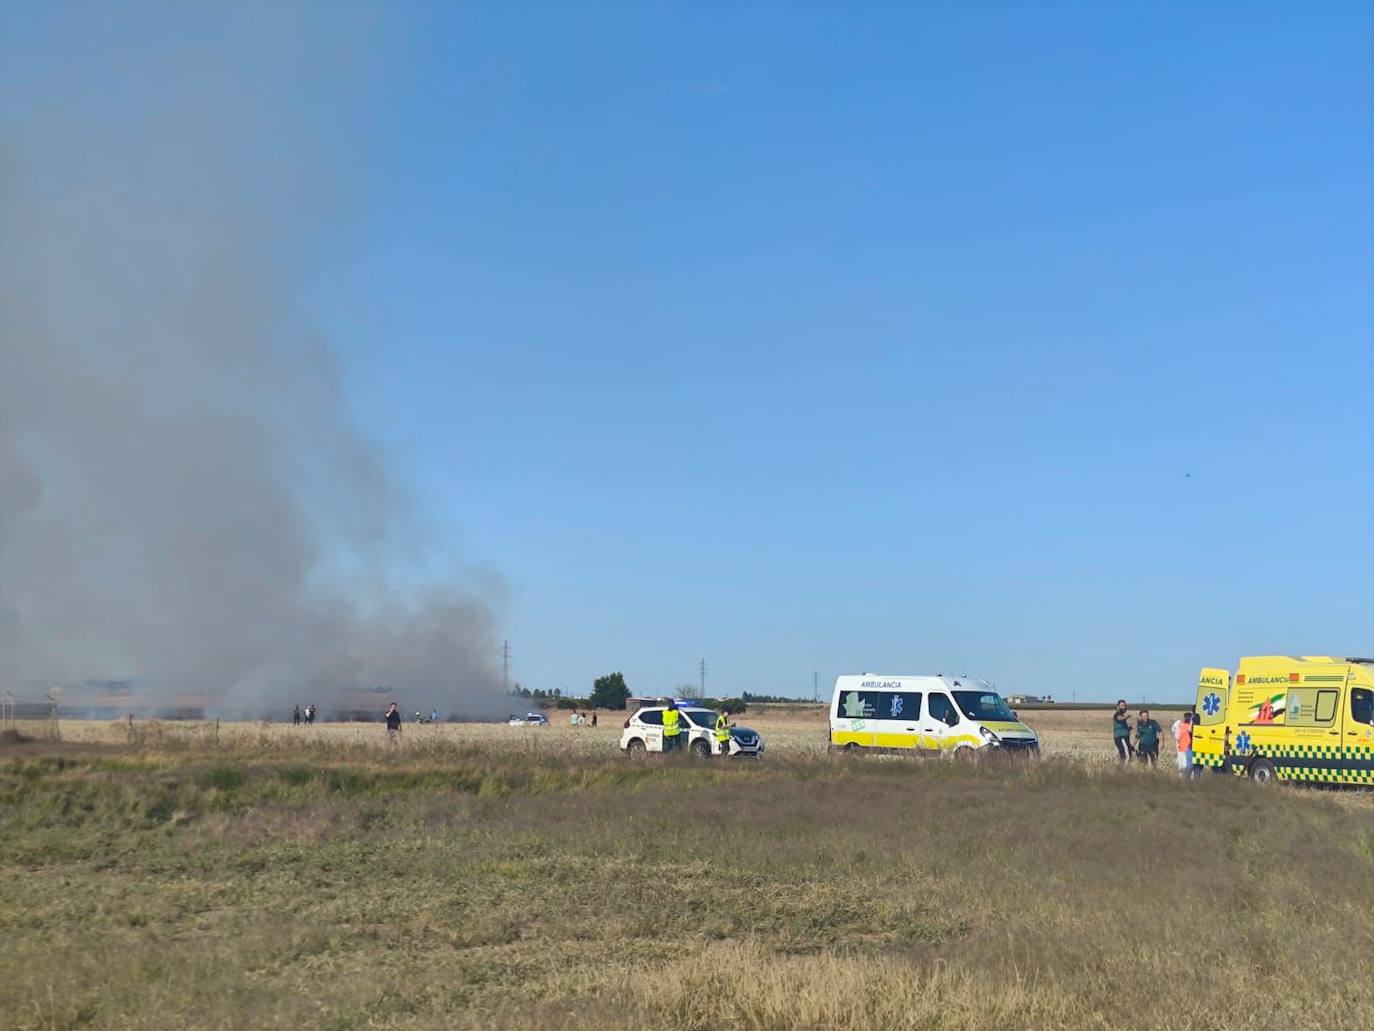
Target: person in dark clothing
1121,732
593,717
1147,738
296,716
393,722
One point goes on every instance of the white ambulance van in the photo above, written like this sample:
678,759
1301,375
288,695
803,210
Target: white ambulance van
936,714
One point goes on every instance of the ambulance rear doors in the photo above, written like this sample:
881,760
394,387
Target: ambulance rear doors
1209,727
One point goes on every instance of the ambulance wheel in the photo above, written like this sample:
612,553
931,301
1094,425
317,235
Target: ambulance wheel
701,750
1261,771
636,749
851,749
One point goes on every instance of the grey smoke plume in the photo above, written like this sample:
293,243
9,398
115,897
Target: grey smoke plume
184,497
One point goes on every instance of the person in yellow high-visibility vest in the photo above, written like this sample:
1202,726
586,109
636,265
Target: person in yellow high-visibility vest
672,734
722,733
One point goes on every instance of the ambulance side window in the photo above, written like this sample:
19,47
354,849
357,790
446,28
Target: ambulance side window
860,705
1362,705
941,708
903,706
1311,707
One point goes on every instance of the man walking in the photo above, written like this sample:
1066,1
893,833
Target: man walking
1147,738
723,734
671,733
393,723
1121,732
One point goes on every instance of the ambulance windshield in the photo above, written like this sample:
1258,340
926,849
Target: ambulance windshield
984,706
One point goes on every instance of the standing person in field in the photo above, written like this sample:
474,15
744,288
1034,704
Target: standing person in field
1121,732
1147,738
296,716
723,733
672,734
1183,740
393,723
593,717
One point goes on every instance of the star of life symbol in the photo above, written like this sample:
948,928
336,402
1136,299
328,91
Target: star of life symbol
896,705
1243,742
1211,704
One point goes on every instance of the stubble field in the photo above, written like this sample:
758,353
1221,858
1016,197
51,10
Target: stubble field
791,732
246,877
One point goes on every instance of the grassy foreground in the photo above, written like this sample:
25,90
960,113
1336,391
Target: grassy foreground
289,883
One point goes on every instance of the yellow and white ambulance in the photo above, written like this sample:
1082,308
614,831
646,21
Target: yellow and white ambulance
1288,717
937,714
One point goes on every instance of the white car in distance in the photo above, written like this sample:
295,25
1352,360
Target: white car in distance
530,719
697,726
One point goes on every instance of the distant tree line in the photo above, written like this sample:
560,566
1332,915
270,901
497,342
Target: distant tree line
519,691
611,692
764,699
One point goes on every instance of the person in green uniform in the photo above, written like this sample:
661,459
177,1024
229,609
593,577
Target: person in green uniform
1147,738
722,734
1121,732
672,733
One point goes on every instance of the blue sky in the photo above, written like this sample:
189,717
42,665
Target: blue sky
1028,341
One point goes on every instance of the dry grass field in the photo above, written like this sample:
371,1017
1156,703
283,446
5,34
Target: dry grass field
793,732
176,876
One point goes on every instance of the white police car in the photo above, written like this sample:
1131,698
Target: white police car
697,726
530,719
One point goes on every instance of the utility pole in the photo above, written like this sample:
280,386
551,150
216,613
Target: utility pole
505,667
701,669
815,685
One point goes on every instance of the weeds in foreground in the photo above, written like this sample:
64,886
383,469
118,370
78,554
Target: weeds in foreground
245,884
